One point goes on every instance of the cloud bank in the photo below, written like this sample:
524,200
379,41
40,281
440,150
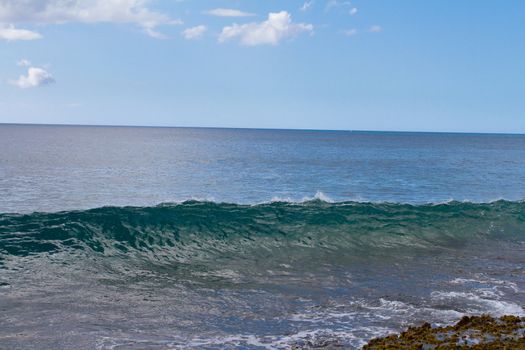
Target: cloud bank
84,11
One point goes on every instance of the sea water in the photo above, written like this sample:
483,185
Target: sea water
175,238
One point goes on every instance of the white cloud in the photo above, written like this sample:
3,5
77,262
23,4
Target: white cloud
350,32
353,11
194,32
23,63
35,77
336,3
10,33
278,26
221,12
375,29
307,5
84,11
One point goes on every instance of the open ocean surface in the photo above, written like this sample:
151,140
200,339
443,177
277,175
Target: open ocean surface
182,238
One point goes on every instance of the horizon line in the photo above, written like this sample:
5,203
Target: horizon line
267,128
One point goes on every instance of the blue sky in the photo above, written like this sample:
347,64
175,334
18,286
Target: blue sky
322,64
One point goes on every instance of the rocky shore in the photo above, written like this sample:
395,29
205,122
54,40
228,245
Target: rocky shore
476,332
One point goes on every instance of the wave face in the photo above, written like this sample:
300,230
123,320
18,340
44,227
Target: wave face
194,229
204,275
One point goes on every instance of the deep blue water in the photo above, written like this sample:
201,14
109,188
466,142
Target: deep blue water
173,238
51,168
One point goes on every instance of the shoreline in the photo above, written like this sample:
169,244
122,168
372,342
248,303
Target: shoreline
471,332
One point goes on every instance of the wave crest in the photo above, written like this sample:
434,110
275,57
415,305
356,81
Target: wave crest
184,231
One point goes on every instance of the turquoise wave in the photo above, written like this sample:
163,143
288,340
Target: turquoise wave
200,230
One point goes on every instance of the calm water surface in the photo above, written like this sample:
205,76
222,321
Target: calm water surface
51,168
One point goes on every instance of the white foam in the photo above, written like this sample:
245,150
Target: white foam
225,274
480,279
488,302
389,309
318,196
323,197
353,336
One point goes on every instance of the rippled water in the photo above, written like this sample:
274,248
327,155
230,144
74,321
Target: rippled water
208,275
51,168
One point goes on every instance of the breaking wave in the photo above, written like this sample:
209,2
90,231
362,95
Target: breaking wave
199,230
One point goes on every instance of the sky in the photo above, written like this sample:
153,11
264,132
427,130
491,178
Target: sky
412,65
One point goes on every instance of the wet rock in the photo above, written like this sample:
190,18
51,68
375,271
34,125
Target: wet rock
474,332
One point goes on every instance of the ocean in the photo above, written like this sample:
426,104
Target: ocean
201,238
